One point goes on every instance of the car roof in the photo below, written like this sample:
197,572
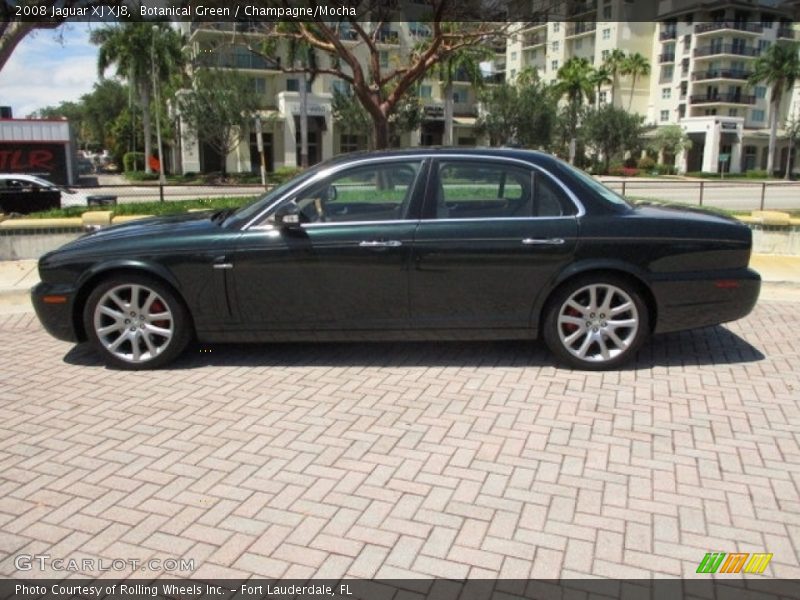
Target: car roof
532,156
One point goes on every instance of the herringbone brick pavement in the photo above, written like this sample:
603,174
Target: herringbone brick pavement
406,460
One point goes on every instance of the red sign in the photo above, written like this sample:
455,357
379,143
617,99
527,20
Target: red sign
47,160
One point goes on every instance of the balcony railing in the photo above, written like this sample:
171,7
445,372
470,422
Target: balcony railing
239,60
721,74
729,98
786,33
737,26
580,28
667,57
533,40
725,49
667,34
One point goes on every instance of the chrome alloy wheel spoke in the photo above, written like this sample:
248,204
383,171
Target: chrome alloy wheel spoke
598,322
133,323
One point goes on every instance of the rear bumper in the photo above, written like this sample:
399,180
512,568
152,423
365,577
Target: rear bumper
687,303
55,318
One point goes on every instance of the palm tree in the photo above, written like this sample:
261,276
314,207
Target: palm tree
306,56
140,50
599,77
463,65
614,64
635,65
779,68
574,82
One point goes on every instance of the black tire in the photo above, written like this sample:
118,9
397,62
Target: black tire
139,326
590,329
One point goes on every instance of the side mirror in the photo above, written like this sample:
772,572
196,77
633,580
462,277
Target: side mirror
287,216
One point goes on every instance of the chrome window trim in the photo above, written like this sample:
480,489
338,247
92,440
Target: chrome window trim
253,223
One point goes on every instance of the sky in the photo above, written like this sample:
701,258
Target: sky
45,70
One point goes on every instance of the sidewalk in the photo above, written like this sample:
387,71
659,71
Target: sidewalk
780,275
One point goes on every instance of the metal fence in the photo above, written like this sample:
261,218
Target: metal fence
733,194
739,195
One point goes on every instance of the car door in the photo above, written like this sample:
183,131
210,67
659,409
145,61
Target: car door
494,234
346,267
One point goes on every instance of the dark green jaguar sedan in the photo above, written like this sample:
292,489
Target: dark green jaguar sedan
406,245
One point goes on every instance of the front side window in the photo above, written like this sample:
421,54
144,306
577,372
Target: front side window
481,190
367,193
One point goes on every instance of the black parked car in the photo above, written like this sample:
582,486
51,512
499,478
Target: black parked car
405,245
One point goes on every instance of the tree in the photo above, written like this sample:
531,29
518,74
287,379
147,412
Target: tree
575,84
635,65
303,54
522,113
614,63
137,49
613,131
463,65
778,68
219,108
351,115
599,77
670,139
378,87
792,133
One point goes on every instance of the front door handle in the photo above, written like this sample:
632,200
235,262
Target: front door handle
380,244
543,241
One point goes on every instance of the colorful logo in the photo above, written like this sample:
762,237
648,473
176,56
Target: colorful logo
738,562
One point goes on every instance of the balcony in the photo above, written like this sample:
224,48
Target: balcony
725,49
667,57
581,8
728,98
786,33
667,34
531,40
753,28
533,25
581,28
238,60
721,74
387,37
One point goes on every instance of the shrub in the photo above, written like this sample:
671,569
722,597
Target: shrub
756,174
129,158
283,174
140,176
623,171
646,163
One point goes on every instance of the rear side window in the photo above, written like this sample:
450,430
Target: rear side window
487,190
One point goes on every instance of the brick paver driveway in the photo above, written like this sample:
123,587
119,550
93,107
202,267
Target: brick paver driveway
393,460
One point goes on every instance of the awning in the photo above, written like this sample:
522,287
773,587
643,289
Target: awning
467,121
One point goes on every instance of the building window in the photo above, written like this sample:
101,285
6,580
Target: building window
293,85
757,116
763,45
259,85
607,34
513,73
554,65
556,27
352,143
556,45
667,72
340,87
425,91
513,56
666,93
761,91
460,97
733,112
687,42
384,57
664,115
605,54
603,97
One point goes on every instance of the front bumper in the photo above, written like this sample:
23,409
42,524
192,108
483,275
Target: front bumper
55,318
687,303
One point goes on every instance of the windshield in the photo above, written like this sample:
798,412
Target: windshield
594,185
248,211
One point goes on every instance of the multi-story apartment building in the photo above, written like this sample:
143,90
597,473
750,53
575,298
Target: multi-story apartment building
229,45
702,61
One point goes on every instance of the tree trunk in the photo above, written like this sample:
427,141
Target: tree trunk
773,138
448,114
303,122
380,127
633,87
573,144
788,173
144,93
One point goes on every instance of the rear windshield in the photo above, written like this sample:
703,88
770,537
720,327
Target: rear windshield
594,185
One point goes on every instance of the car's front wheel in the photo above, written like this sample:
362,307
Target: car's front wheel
136,322
596,322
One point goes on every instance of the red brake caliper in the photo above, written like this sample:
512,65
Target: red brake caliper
157,306
570,327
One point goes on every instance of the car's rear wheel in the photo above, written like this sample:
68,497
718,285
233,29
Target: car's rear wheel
136,322
596,322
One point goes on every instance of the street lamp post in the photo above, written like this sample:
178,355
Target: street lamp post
161,178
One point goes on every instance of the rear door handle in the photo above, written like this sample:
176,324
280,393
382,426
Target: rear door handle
543,241
380,244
